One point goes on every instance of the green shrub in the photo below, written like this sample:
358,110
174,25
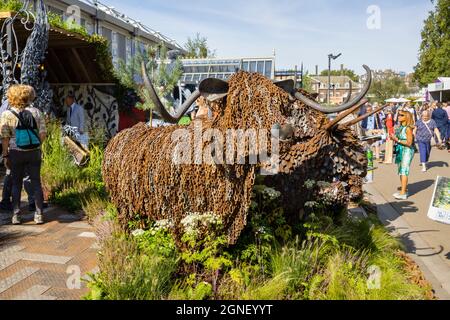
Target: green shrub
76,194
323,258
158,240
130,273
297,264
346,277
93,171
57,21
366,234
70,186
272,289
199,291
96,206
362,246
58,167
10,5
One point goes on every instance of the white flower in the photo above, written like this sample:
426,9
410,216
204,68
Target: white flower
138,232
272,193
194,221
163,225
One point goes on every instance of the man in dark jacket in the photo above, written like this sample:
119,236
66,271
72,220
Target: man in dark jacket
440,116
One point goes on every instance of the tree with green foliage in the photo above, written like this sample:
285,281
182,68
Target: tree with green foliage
164,76
10,5
345,72
384,89
307,82
434,51
197,48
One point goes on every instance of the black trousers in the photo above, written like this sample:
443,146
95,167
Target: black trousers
30,162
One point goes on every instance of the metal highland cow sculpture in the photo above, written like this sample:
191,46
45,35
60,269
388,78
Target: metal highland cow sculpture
144,176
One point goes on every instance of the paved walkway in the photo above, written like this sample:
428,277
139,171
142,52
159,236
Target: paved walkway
427,241
46,262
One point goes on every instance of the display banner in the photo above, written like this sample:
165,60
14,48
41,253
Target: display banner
440,204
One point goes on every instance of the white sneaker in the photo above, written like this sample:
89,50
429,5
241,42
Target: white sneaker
424,168
16,219
38,218
399,196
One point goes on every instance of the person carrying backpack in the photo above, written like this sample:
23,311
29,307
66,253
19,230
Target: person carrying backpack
5,203
22,130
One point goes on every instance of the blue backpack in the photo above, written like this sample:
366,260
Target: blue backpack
27,137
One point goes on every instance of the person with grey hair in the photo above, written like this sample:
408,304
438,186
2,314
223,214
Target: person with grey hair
425,130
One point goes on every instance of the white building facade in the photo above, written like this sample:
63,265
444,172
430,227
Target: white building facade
125,34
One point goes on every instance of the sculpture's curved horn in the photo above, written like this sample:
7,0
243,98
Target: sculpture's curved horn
365,116
159,107
350,91
286,85
342,116
213,89
343,107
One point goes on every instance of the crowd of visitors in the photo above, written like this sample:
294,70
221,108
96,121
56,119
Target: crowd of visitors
405,129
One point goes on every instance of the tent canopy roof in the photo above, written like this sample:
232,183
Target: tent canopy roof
71,59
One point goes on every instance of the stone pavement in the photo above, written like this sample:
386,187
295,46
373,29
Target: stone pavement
427,241
46,262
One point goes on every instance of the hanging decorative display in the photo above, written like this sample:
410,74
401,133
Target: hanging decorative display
30,60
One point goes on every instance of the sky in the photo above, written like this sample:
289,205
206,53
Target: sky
384,34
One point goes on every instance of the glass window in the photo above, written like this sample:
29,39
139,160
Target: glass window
141,47
215,69
260,67
268,73
226,68
121,47
196,77
56,11
202,69
245,66
252,66
107,33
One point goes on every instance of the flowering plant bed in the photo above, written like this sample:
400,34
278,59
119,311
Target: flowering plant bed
319,258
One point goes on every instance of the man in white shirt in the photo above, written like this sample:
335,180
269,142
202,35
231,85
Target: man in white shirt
75,118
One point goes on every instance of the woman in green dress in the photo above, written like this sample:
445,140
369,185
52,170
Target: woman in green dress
404,138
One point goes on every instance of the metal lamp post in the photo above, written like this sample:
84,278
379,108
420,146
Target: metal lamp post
330,57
